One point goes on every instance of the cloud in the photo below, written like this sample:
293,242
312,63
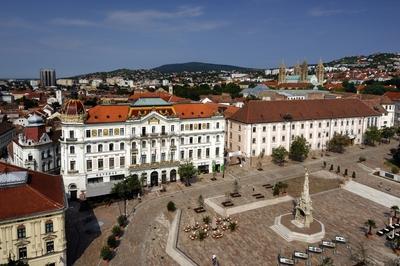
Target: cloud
324,12
76,22
184,18
16,23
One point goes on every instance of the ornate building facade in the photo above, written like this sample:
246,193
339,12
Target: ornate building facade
149,139
32,217
37,149
300,74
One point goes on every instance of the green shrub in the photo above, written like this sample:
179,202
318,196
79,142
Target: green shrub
122,220
116,230
112,242
206,219
395,170
232,226
202,235
106,253
171,206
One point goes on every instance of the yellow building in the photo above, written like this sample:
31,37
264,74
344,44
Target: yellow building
32,217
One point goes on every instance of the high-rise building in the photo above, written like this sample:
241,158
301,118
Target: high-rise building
47,77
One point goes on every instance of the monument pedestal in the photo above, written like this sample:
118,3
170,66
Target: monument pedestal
291,230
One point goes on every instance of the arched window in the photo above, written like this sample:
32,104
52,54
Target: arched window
49,226
111,146
100,148
88,148
21,231
122,146
133,145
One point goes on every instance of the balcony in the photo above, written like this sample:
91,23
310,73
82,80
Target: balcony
155,165
71,139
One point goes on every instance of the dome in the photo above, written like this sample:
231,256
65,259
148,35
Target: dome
35,119
73,107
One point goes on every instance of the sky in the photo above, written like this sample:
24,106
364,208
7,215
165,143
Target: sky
77,37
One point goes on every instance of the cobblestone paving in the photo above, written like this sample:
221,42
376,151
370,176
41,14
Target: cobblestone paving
254,243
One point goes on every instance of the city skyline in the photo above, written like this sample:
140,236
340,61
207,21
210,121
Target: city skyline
76,38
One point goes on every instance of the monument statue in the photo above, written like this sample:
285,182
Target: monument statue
303,209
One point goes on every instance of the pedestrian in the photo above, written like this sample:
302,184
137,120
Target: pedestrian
253,189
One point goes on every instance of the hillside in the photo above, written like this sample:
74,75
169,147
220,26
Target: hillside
373,60
197,67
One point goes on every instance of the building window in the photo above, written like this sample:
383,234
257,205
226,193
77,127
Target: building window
310,135
240,128
217,151
122,146
254,129
302,126
217,138
100,132
254,140
217,124
182,128
22,253
134,159
239,138
111,163
207,152
283,127
153,143
89,165
182,155
283,138
72,165
172,155
273,139
88,149
335,123
100,164
327,124
48,227
319,124
153,129
264,128
172,142
121,131
263,140
143,144
111,147
293,126
208,139
133,145
190,154
311,125
88,133
110,132
208,125
163,143
72,150
191,140
274,128
71,134
21,232
172,128
163,156
199,153
191,127
100,147
121,161
49,246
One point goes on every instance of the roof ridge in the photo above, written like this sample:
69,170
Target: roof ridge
51,201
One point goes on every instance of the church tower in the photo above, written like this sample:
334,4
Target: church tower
319,72
304,72
282,74
297,69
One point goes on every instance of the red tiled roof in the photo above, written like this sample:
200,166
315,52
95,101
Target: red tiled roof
163,95
107,114
196,110
393,95
42,193
298,110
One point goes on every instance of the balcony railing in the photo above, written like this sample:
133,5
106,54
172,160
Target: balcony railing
154,165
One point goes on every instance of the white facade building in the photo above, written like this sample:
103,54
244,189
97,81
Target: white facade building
37,149
261,126
149,139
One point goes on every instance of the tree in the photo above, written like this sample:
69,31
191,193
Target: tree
388,132
106,253
371,135
116,230
349,86
327,261
171,206
395,209
338,143
299,149
279,155
201,201
370,224
112,242
236,186
396,157
186,172
127,189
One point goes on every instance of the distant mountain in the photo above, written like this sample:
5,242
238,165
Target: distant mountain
197,67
